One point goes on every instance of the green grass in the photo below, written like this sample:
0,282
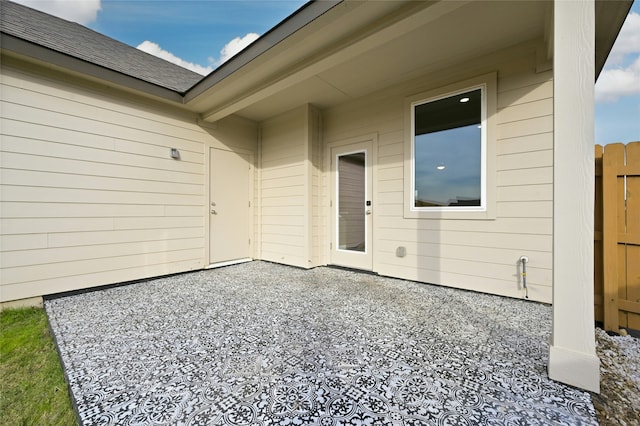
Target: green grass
32,386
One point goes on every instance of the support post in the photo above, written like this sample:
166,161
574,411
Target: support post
572,355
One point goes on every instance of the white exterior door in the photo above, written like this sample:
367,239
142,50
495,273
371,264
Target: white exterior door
351,206
229,206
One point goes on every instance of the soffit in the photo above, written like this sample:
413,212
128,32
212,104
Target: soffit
469,32
338,50
610,15
368,46
316,46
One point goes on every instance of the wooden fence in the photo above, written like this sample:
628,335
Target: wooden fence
617,236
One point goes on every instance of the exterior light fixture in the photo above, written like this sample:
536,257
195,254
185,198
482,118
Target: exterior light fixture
175,154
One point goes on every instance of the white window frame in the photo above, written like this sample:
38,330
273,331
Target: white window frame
486,210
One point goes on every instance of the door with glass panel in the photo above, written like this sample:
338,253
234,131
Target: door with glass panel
352,207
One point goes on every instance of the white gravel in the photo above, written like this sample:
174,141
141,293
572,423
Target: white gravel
619,399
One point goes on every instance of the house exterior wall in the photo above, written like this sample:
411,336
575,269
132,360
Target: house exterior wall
483,254
89,192
291,218
90,195
283,208
319,222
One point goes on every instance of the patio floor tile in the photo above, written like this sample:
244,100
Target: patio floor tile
265,344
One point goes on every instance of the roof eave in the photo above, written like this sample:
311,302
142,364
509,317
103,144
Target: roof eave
610,16
294,22
14,46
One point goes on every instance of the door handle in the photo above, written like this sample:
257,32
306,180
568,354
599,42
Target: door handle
368,211
214,212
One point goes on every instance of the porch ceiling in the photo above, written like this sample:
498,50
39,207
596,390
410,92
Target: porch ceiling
360,47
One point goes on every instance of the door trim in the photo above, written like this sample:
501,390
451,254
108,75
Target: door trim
372,139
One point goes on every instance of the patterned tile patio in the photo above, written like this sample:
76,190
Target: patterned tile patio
265,344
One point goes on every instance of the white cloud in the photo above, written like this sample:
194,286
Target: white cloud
621,75
235,46
228,51
617,82
80,11
628,41
155,50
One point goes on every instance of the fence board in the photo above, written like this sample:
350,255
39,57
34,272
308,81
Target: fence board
617,236
621,263
612,156
598,273
632,234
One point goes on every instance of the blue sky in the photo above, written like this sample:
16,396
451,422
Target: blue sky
201,34
617,106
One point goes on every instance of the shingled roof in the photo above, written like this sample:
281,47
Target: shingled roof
80,42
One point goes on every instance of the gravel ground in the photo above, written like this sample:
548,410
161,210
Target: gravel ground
619,399
265,344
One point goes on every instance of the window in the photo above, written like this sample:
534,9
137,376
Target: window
448,151
448,146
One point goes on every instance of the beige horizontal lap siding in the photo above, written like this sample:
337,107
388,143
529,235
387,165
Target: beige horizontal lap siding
89,193
524,151
318,221
283,208
480,255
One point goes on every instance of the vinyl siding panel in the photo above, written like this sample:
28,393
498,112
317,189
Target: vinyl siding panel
498,256
283,199
51,149
318,197
481,254
79,122
533,176
507,225
93,168
16,258
471,281
77,267
290,189
26,193
106,183
89,194
164,266
531,143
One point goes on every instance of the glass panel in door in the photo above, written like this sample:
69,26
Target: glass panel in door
351,202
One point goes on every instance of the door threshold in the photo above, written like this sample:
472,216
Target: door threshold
351,268
228,263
